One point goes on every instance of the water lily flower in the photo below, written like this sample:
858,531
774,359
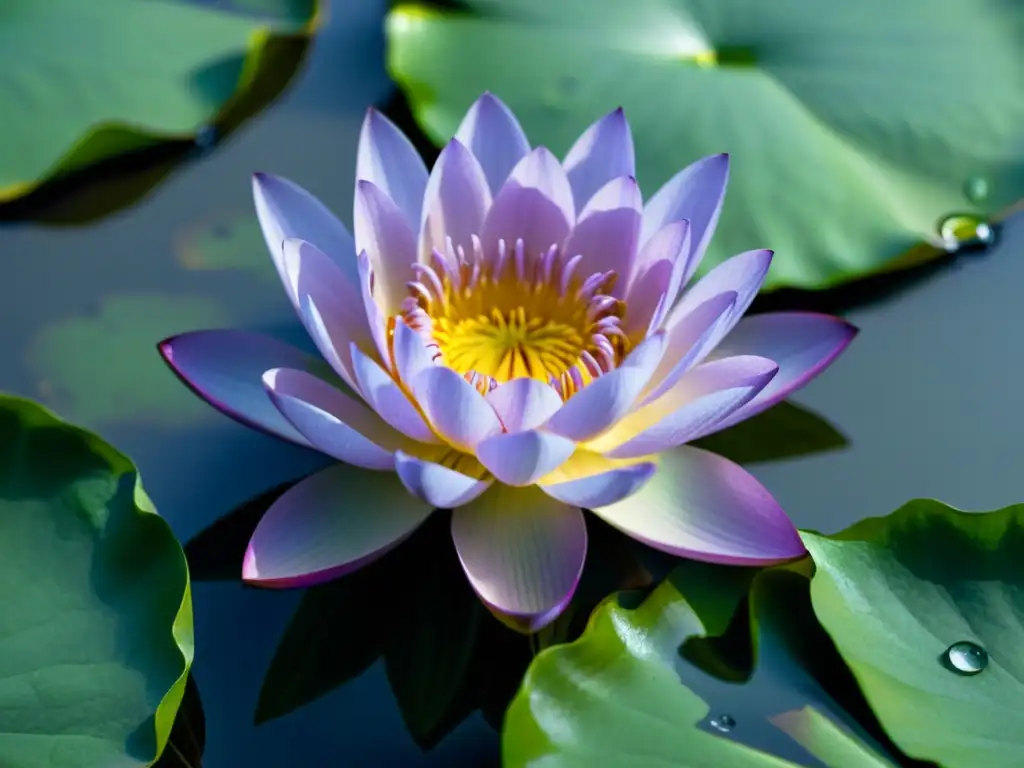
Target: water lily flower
513,338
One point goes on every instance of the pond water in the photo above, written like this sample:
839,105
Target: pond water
929,395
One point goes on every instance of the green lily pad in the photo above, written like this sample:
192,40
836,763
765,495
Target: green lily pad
896,592
615,696
187,741
846,149
96,627
142,74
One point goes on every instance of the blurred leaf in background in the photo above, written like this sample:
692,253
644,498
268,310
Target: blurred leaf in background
862,139
100,100
96,626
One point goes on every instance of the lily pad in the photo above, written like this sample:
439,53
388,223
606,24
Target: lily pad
187,741
85,82
896,592
846,148
615,697
96,626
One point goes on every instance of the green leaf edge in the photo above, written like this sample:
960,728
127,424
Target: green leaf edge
98,143
182,627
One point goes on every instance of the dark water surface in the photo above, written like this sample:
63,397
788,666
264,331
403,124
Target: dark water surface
930,395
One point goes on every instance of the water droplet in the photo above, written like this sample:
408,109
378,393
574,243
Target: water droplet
723,723
976,189
961,231
966,657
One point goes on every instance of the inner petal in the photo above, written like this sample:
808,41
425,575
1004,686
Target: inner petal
497,316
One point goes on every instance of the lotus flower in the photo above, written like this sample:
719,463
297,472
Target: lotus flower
510,337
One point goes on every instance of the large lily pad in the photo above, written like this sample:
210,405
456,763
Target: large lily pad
96,626
896,592
853,132
83,82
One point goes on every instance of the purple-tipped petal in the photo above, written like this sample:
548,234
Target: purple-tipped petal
388,399
704,507
693,408
696,194
285,210
535,204
457,411
388,159
602,488
607,399
411,354
803,344
491,132
332,422
607,231
523,403
384,234
456,203
225,368
330,305
438,485
603,152
523,553
688,341
672,244
374,316
329,524
522,458
646,298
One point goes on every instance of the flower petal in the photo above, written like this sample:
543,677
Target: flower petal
607,231
456,202
704,507
436,484
521,458
523,403
388,399
603,152
457,411
646,298
329,524
535,205
696,406
602,488
388,159
225,368
607,399
672,244
374,315
411,354
803,344
696,194
491,132
285,210
384,234
523,553
332,422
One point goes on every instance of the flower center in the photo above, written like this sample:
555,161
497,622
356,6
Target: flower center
507,315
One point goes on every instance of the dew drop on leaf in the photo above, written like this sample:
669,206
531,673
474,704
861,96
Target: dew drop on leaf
723,723
966,657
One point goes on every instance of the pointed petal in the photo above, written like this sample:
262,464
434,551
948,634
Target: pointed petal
523,403
607,231
438,485
388,159
374,316
457,411
523,553
646,299
521,458
225,368
491,132
693,408
332,422
704,507
534,204
388,399
329,524
606,400
411,354
456,202
696,194
603,152
672,244
384,234
601,488
803,344
285,210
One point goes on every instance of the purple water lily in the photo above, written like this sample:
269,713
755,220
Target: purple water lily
510,337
